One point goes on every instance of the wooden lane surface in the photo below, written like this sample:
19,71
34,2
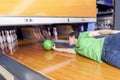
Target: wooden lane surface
63,66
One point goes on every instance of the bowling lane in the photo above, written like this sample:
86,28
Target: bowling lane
62,66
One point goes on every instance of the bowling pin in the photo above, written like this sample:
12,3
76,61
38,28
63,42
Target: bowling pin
55,33
13,46
11,35
1,43
8,37
3,36
6,47
49,33
2,47
10,47
15,35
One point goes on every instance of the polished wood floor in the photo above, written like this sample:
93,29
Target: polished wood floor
62,66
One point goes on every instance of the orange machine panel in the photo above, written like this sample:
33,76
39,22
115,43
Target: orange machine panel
54,8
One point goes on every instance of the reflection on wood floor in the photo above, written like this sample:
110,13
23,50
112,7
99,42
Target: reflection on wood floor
63,66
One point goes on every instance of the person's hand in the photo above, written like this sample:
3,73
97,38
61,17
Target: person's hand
54,47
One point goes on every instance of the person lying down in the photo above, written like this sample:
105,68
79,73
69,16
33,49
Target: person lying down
105,49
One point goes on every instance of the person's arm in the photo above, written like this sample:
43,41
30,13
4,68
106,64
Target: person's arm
67,50
102,32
